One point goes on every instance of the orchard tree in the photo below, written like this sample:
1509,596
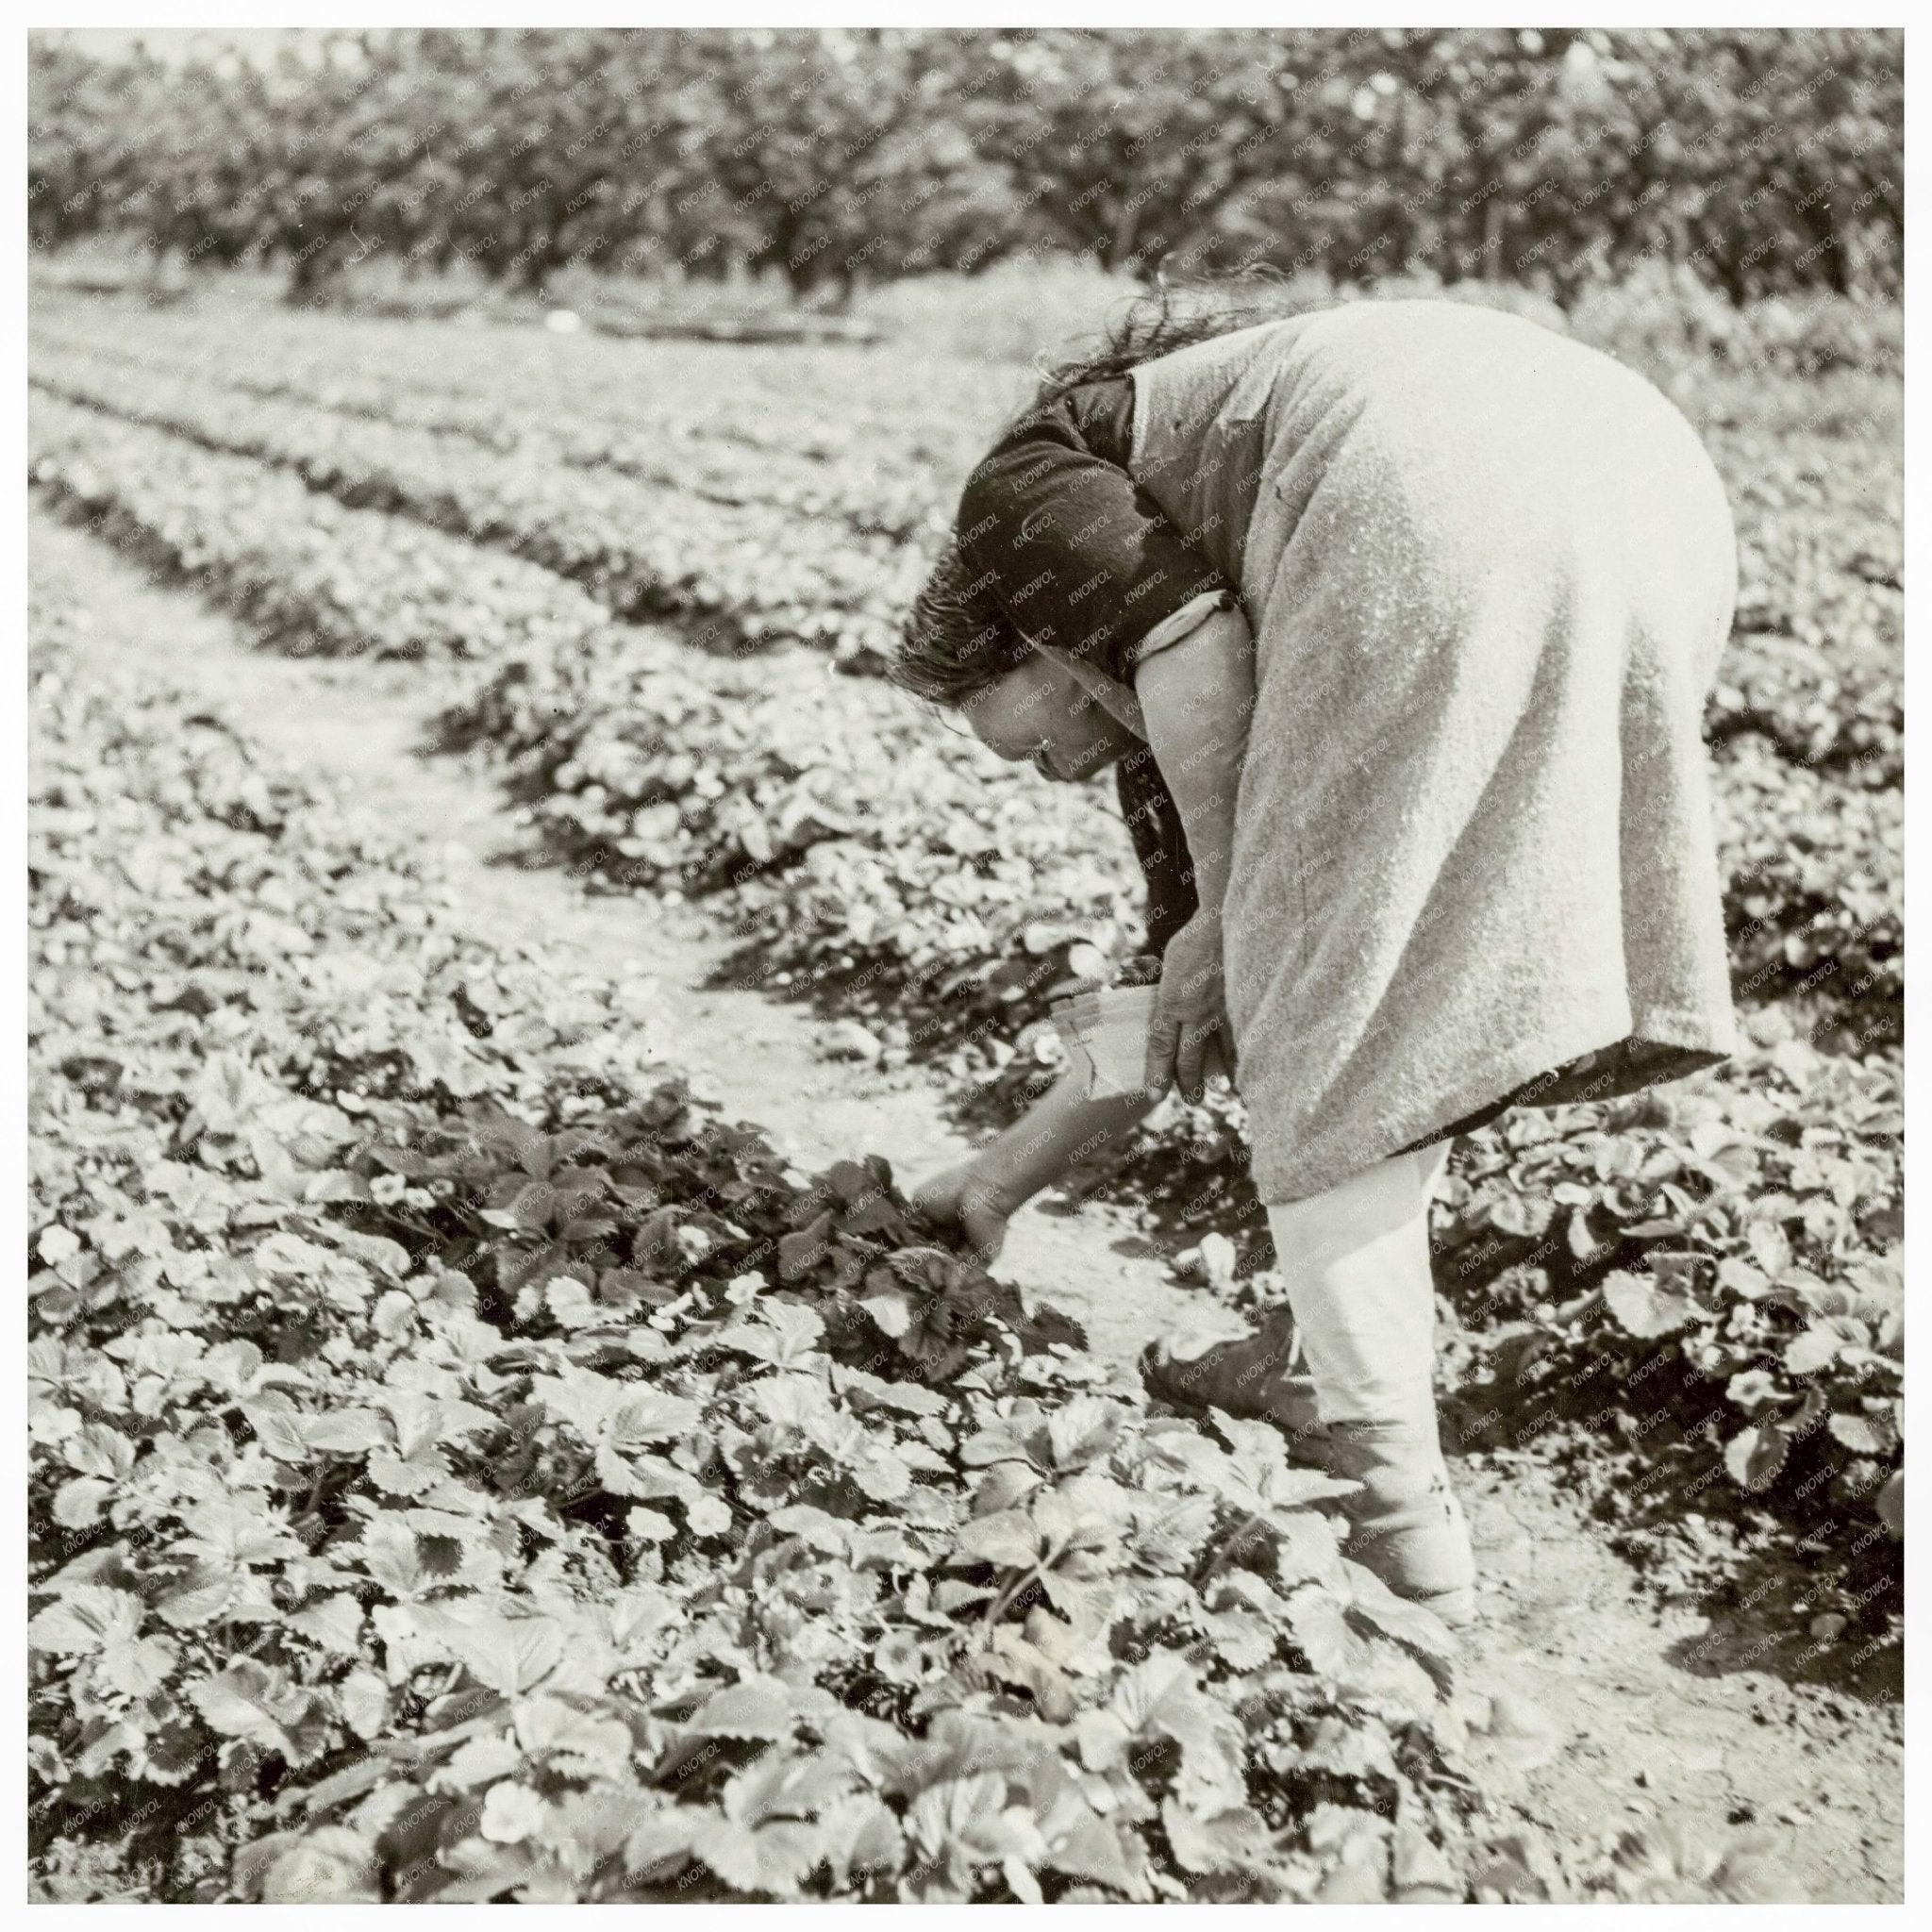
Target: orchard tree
1121,146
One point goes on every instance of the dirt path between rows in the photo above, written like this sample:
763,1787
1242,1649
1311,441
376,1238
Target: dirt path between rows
1638,1729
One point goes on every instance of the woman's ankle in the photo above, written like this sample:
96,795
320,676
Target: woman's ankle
1399,1452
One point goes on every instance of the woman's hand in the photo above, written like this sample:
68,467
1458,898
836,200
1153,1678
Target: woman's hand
1190,1036
970,1200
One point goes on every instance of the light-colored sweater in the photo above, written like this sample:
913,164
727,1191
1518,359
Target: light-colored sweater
1489,572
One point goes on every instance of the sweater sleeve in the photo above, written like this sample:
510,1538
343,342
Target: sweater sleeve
1190,617
1079,555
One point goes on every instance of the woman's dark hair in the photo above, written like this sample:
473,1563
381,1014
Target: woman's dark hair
956,639
1172,316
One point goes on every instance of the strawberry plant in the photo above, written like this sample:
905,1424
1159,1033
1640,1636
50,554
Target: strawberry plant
1814,891
1715,1266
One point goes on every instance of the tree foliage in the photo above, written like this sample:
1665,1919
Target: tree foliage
1768,159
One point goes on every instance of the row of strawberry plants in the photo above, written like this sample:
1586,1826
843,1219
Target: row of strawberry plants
753,576
850,844
685,783
1714,1272
1814,887
892,410
1817,658
310,574
480,1478
1841,715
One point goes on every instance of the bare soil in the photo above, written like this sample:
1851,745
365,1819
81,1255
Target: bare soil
1651,1713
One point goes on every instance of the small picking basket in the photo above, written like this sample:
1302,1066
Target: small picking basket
1108,1025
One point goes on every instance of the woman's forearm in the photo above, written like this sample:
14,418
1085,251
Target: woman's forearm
1057,1133
1198,697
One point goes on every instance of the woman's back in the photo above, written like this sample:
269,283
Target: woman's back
1488,570
1448,405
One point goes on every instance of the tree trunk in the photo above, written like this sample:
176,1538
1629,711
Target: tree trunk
1495,220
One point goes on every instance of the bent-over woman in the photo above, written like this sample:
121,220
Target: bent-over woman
1395,621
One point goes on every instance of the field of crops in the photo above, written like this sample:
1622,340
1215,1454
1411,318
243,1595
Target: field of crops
462,1470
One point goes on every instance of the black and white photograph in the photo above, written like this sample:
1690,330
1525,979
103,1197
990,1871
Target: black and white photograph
965,964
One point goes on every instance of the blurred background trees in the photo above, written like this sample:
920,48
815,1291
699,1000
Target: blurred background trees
1768,161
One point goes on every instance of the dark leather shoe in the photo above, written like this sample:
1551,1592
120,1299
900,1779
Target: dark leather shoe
1250,1378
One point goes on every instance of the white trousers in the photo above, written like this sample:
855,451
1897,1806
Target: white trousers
1356,1264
